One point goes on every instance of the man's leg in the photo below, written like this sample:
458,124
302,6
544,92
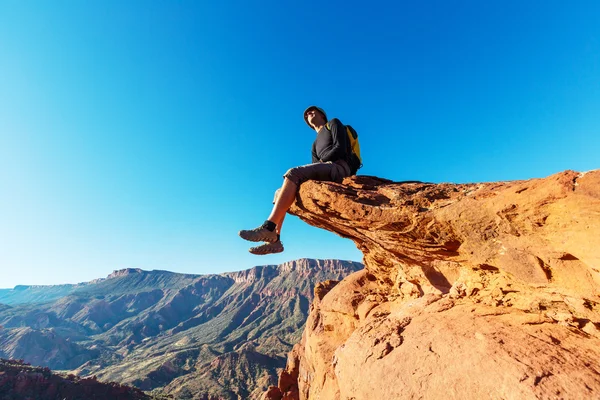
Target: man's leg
279,225
269,231
287,193
275,247
283,203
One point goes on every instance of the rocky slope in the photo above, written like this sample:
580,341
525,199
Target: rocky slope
469,291
194,336
20,381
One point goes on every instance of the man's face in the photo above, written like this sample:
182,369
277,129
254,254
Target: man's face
315,118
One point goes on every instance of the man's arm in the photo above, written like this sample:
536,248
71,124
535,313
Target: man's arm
315,158
339,142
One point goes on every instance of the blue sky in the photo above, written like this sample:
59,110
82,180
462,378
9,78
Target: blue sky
147,133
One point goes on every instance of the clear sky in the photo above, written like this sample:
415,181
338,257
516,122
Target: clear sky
147,133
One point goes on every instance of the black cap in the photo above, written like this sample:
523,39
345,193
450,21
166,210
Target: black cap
314,108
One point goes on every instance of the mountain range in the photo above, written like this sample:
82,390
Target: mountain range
221,336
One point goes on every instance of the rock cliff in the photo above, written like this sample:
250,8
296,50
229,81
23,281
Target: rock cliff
487,290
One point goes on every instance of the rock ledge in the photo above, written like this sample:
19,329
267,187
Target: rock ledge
486,290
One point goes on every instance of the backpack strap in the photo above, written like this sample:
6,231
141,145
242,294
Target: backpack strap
348,144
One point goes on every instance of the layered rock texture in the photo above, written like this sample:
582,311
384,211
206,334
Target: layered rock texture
469,291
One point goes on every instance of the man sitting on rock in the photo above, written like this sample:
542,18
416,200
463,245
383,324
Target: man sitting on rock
330,162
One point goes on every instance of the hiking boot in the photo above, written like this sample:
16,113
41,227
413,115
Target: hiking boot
260,234
267,248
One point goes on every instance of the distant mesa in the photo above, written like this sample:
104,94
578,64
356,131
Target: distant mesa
124,272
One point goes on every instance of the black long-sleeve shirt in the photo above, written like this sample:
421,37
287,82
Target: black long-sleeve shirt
331,145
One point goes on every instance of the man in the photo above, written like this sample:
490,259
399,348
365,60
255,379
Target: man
330,162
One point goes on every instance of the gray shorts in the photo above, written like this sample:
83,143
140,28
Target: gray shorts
326,171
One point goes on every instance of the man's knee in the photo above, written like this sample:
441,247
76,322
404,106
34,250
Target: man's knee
294,175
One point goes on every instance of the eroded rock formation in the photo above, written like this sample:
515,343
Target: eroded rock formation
470,291
19,380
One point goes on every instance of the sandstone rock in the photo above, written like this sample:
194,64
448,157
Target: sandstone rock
470,291
272,394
